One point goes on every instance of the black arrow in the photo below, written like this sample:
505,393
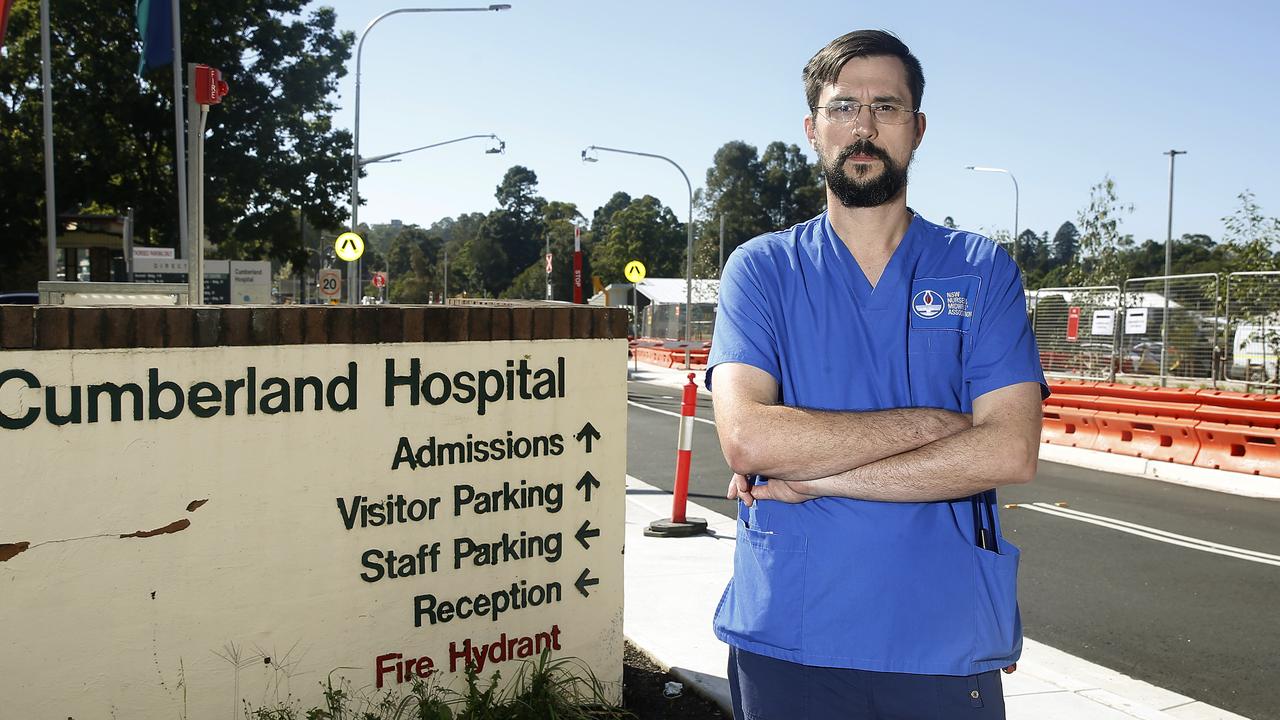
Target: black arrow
583,582
584,532
348,244
587,434
587,482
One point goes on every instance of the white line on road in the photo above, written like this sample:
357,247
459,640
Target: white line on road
668,412
1155,534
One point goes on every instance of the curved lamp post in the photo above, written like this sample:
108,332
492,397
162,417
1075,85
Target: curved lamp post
979,168
355,154
688,255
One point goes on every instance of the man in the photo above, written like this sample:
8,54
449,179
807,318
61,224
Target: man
875,377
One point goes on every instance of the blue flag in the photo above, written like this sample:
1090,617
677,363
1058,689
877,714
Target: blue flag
155,25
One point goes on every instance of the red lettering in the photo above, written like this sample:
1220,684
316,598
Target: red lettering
456,654
426,667
383,669
405,670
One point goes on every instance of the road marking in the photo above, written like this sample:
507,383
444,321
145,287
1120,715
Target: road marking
1155,534
668,412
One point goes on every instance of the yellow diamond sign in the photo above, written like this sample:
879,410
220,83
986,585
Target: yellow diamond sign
349,246
634,271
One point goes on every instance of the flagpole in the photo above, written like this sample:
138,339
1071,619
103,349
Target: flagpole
184,239
50,218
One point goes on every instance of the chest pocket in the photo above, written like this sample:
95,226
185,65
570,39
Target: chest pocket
935,368
939,322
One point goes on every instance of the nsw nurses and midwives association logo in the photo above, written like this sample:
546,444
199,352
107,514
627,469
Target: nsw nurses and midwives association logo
927,304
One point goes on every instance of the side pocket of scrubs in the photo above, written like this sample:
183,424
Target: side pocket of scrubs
997,620
765,603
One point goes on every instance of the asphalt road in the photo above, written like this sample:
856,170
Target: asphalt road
1172,585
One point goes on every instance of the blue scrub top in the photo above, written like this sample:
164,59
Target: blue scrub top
835,582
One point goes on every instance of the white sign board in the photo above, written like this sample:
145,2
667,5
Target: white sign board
153,252
329,283
242,523
250,282
159,265
1104,323
1135,321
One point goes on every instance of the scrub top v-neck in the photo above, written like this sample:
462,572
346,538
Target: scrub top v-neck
894,587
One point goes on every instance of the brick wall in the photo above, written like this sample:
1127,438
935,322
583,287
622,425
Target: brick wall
47,327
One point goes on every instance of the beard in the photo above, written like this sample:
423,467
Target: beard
861,191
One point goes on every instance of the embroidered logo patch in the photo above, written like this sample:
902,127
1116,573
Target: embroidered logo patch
944,303
927,304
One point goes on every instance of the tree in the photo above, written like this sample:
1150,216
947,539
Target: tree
791,190
508,240
1066,244
1029,251
1251,236
1101,244
645,230
734,189
271,149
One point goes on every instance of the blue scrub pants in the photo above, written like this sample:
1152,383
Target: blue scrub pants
764,688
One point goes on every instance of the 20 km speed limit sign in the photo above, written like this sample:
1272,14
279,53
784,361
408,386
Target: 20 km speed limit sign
329,282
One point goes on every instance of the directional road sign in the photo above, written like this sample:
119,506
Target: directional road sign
634,271
349,246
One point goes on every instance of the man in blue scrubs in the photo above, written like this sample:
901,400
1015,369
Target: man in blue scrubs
874,380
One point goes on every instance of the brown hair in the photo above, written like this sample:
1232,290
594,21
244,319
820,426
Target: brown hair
824,67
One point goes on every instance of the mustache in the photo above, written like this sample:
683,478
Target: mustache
862,147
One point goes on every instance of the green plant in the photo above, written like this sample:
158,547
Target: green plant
541,689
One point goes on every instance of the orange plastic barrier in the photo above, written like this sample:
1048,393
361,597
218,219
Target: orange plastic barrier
665,357
1070,426
1144,407
1168,439
1073,387
1238,416
1244,401
1146,392
1251,450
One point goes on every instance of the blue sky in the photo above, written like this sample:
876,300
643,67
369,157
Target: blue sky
1060,93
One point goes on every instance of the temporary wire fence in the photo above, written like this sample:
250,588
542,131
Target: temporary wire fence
1197,330
1076,330
1251,335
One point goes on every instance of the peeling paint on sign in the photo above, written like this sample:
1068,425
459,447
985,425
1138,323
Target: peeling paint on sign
173,527
9,551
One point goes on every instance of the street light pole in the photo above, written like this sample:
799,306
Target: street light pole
979,168
688,253
721,273
1168,270
355,153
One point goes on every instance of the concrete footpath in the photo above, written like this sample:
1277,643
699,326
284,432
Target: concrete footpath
674,585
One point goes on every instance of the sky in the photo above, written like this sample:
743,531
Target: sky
1062,94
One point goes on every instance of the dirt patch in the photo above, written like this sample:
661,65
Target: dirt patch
642,696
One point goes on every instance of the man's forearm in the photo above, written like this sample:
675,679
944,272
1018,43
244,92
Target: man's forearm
790,443
977,459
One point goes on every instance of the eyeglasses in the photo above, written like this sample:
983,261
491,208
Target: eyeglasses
843,112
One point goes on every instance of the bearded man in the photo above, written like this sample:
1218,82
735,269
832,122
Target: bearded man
875,379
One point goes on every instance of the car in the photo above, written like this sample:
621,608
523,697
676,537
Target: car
19,298
1255,350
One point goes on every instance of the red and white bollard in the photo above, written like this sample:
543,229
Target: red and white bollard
678,525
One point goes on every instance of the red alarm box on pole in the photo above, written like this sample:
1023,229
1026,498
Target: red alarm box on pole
210,87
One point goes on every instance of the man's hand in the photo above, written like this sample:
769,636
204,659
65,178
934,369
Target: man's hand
740,488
